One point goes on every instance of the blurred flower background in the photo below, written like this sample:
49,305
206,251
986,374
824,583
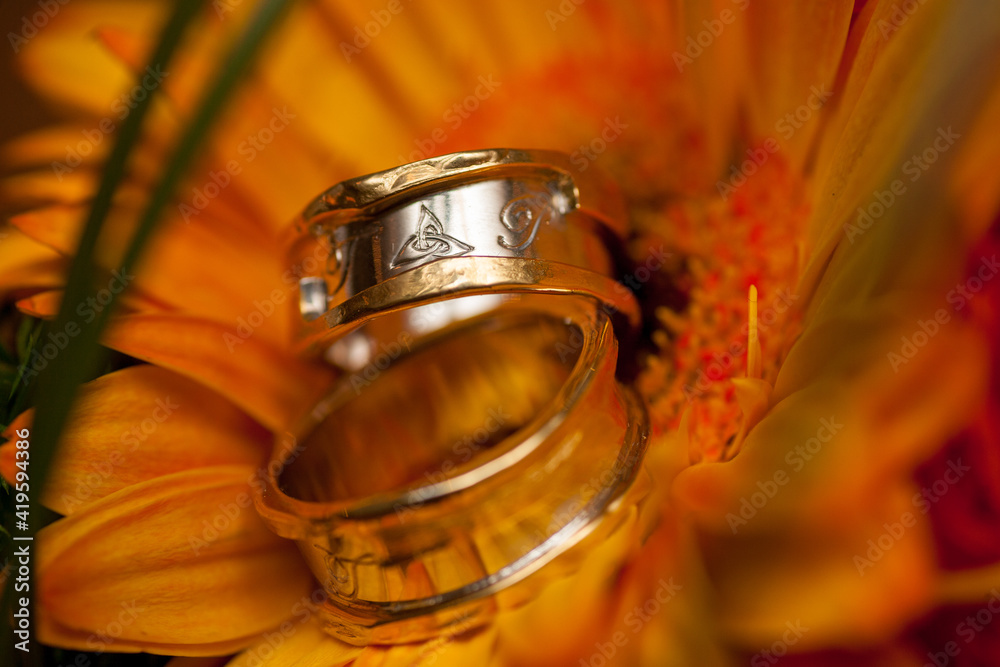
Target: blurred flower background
829,495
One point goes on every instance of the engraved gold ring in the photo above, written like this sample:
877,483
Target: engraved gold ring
458,480
503,224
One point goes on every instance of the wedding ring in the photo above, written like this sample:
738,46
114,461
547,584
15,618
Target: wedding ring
502,225
495,445
432,499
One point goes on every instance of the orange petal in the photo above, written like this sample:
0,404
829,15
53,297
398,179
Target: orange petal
101,641
8,452
473,649
43,187
667,601
44,305
835,591
793,50
298,642
178,564
617,68
826,470
137,424
216,270
274,190
383,131
70,65
975,186
57,227
268,383
46,145
816,435
25,264
588,596
969,586
911,120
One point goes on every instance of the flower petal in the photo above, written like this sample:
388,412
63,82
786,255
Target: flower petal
268,383
794,50
273,190
26,265
824,472
179,564
588,595
183,272
70,64
44,305
843,590
102,641
887,203
48,144
137,424
476,648
300,642
29,189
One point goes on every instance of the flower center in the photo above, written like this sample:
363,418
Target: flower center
722,246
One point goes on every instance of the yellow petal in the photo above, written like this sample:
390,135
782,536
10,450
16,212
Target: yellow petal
27,265
102,641
34,188
588,597
793,50
834,591
69,63
475,648
887,211
298,642
258,124
176,564
44,305
46,145
215,270
268,383
137,424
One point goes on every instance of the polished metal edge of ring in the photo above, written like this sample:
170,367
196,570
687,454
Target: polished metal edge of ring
384,188
459,276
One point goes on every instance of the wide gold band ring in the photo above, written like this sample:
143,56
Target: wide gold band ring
501,447
494,224
494,441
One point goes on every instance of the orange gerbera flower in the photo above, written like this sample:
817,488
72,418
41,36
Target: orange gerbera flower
825,453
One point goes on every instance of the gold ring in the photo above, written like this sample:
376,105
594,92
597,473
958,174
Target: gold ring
495,224
504,446
504,442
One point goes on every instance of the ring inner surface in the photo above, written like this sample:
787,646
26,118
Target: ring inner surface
421,416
